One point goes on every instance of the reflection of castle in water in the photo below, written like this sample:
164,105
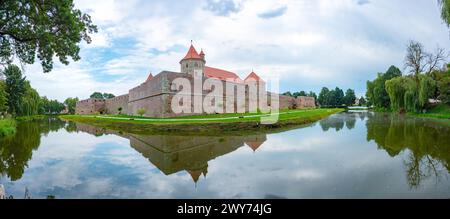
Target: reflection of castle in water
171,153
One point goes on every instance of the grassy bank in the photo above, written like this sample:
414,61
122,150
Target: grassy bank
236,123
7,127
441,111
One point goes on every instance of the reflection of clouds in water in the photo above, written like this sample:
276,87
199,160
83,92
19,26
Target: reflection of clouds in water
301,163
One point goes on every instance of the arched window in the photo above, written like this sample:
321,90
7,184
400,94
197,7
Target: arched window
196,64
187,65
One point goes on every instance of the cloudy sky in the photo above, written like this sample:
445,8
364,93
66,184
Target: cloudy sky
307,43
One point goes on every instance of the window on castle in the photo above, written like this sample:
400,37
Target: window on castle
196,65
187,65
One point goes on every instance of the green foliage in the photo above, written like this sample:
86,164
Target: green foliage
15,87
71,104
141,111
336,97
442,79
98,95
7,127
322,99
51,106
44,29
288,93
298,94
407,95
376,93
29,103
108,96
350,97
312,94
362,101
3,97
445,11
427,88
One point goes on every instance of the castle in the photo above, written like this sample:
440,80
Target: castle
156,94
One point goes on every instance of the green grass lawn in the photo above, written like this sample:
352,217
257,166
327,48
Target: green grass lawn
7,127
441,111
202,123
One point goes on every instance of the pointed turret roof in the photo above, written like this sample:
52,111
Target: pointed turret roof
253,77
195,174
254,144
191,54
150,77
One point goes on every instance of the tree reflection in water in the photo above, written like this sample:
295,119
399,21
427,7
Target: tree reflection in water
17,150
425,140
338,121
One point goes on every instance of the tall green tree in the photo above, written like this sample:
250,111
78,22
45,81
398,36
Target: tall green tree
71,104
108,96
312,94
3,97
15,87
97,95
30,101
322,99
445,11
350,97
362,101
338,97
298,94
376,91
42,29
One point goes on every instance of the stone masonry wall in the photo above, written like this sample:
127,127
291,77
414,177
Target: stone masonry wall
113,104
155,96
90,106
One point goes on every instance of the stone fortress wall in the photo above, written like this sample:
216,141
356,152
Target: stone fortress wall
155,95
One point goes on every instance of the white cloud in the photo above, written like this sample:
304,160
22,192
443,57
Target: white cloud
326,42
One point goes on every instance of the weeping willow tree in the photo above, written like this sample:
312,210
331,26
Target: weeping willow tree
406,94
445,11
396,91
427,89
30,102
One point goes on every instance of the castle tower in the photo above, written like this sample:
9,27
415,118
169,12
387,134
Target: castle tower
193,62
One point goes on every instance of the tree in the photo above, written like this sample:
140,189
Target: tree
376,93
15,87
45,29
3,97
415,57
427,88
417,60
97,95
322,99
350,97
362,101
287,93
298,94
312,94
445,11
141,111
338,97
30,102
108,96
71,104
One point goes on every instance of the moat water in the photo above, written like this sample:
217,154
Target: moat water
347,155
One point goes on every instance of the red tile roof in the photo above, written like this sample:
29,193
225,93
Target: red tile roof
253,77
191,54
221,74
